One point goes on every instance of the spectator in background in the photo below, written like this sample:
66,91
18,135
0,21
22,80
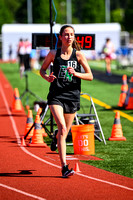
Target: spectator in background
27,55
43,54
10,52
33,58
21,54
108,50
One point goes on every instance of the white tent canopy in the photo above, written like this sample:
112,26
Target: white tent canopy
11,34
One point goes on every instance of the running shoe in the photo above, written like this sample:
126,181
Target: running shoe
54,141
67,172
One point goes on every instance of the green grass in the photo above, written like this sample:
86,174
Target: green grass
117,155
100,65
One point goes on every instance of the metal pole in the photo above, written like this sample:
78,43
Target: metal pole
107,11
51,26
69,12
51,47
29,11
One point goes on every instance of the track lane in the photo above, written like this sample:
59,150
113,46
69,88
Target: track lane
47,181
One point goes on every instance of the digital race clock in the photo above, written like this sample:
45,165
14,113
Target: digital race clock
87,41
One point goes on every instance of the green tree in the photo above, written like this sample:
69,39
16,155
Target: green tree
61,11
5,14
128,24
117,15
21,13
7,11
40,11
12,6
89,11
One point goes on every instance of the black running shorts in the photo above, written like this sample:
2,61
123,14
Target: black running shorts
68,105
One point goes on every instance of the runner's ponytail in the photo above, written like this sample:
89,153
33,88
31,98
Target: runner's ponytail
76,45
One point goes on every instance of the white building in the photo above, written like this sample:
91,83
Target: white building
11,34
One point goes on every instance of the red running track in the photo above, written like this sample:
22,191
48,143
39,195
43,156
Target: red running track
34,173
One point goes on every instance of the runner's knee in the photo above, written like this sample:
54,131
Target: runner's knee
63,130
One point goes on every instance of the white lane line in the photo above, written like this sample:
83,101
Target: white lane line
19,143
29,153
107,182
22,192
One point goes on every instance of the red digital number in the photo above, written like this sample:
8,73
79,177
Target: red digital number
81,41
88,42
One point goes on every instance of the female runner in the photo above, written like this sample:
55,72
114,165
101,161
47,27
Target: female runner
64,91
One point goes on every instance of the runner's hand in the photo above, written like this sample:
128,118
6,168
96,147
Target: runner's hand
51,77
71,70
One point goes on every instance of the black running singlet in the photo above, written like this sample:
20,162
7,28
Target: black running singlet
65,86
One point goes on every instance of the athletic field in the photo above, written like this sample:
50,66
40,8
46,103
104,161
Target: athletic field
34,173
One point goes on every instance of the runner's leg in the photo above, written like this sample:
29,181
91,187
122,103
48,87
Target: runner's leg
64,122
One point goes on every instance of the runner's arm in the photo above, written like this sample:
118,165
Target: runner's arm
82,60
47,61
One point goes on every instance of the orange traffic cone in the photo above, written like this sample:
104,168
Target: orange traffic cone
130,99
117,134
124,89
16,105
37,139
43,130
76,169
29,123
23,142
39,111
27,107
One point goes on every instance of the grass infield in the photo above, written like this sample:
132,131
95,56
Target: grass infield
117,155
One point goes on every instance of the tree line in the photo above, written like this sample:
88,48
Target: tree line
85,11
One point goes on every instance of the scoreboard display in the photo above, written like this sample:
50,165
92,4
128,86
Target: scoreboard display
40,40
